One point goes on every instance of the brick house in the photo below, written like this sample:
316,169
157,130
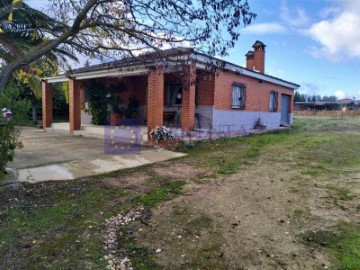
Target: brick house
185,89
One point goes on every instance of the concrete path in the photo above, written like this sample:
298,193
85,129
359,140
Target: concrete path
49,156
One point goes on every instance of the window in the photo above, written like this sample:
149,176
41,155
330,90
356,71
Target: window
238,96
173,95
273,101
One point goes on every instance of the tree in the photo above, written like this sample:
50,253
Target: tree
20,28
114,28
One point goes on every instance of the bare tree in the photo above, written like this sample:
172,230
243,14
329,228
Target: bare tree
125,28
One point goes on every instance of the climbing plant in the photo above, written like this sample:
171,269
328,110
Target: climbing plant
97,102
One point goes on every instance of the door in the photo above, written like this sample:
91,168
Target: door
285,102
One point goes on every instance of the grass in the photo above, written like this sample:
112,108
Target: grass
160,194
60,225
66,233
342,244
342,192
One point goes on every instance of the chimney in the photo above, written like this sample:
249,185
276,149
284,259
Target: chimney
259,56
255,60
250,60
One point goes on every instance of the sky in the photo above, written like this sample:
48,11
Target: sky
314,43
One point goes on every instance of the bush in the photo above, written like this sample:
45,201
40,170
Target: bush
9,136
161,133
9,141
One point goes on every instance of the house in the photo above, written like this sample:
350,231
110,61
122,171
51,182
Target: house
184,89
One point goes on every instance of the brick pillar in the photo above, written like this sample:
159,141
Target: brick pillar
188,98
47,113
74,105
155,99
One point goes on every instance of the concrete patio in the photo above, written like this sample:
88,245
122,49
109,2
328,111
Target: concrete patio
53,156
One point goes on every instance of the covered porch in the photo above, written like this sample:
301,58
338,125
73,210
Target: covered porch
142,96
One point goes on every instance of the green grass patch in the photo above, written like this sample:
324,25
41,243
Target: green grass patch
343,245
342,192
160,194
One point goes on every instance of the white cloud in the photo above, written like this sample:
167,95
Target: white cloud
339,94
264,28
338,34
295,17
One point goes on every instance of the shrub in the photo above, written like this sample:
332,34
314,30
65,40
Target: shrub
161,134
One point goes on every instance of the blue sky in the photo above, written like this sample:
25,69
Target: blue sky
314,43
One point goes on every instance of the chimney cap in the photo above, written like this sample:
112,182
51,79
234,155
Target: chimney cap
259,43
249,54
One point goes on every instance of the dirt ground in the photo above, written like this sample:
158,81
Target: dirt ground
271,201
255,218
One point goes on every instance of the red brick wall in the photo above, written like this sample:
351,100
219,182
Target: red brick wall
155,98
257,94
259,60
250,62
47,111
74,105
188,98
139,88
205,88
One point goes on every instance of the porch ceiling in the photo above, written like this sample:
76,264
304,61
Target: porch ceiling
130,71
133,71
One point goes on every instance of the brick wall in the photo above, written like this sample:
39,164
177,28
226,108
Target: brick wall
188,98
74,105
47,110
257,94
155,98
259,60
205,88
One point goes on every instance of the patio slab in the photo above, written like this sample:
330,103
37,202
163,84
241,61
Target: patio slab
52,157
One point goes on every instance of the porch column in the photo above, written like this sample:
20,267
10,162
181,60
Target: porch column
188,98
74,105
155,99
47,111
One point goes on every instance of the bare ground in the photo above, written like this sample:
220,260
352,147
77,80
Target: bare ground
253,219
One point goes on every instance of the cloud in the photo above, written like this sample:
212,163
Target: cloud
264,28
338,34
296,17
339,94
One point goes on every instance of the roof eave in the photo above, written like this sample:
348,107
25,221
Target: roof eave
203,59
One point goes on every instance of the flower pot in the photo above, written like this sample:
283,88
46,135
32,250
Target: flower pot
114,119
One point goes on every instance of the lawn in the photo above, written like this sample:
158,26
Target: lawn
281,200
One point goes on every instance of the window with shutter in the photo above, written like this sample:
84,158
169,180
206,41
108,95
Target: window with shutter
273,101
238,96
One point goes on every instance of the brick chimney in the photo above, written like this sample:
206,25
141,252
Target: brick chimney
255,60
250,60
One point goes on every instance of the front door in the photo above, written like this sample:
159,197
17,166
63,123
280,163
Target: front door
285,102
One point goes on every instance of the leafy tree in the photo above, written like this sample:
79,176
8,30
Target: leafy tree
114,28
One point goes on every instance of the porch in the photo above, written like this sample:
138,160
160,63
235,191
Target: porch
142,97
